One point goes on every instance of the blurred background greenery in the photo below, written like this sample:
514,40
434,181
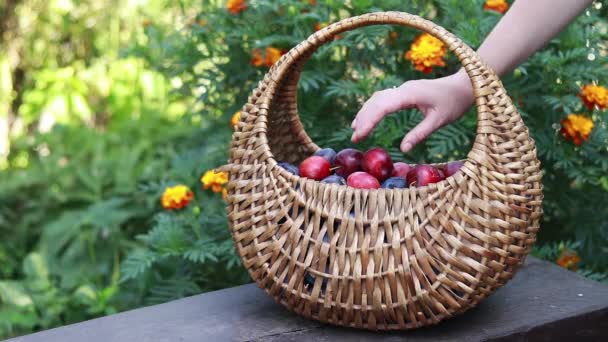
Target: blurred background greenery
104,105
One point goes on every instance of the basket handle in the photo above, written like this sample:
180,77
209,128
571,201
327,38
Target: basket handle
500,129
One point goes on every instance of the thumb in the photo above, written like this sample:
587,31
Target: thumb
427,126
378,106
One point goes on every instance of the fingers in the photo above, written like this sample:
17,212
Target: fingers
388,101
420,132
378,106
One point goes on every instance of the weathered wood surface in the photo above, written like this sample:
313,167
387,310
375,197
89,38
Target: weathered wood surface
542,303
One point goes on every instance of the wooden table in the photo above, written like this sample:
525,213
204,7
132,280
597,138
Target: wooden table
542,303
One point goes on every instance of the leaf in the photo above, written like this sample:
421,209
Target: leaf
167,290
451,138
201,251
168,236
344,88
137,263
35,267
310,80
86,294
13,293
593,275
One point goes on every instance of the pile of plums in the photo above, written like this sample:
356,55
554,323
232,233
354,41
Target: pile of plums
370,170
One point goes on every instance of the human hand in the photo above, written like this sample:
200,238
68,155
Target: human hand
441,101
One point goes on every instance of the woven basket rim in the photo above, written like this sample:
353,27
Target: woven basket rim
334,29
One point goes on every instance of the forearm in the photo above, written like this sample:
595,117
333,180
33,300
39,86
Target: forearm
526,27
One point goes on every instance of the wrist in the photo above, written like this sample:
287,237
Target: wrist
462,84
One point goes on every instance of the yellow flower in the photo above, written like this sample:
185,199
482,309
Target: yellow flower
499,6
214,180
594,95
576,128
268,58
236,6
235,119
176,197
425,52
568,259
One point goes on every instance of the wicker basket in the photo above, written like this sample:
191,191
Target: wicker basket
386,258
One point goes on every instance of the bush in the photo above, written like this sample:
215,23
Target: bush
225,55
70,216
91,137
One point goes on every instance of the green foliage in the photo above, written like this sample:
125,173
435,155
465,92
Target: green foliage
79,197
77,204
215,58
38,301
188,251
199,244
552,251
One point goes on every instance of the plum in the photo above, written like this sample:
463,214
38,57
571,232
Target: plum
378,163
315,167
422,175
309,281
362,180
348,161
334,179
327,153
452,167
290,168
401,169
394,183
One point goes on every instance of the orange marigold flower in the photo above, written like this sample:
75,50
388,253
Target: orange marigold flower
268,58
499,6
392,37
319,26
236,6
214,180
176,197
576,128
568,259
256,58
594,95
426,52
272,56
235,119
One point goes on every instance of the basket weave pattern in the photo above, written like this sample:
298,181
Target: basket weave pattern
386,258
